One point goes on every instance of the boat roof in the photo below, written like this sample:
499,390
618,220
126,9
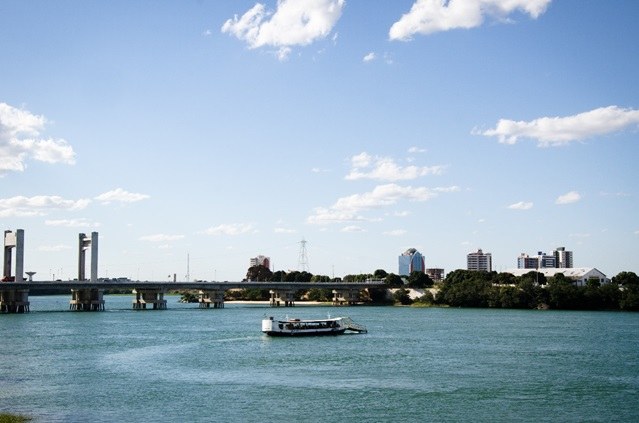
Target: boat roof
293,320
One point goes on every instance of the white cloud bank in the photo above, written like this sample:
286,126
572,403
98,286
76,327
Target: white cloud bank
370,57
230,229
294,23
365,166
73,223
348,209
20,139
38,205
522,205
121,196
568,198
556,131
429,16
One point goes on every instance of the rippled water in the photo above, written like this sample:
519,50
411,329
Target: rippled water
414,364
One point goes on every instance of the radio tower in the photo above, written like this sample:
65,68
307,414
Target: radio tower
302,261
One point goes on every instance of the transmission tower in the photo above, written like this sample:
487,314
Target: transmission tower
302,261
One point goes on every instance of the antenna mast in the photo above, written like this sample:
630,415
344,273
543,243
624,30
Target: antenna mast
302,261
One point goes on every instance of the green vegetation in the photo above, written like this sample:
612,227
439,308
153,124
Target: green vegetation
13,418
465,288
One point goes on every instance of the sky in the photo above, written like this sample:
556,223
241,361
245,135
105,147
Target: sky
194,135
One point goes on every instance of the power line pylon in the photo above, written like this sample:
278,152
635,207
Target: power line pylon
302,261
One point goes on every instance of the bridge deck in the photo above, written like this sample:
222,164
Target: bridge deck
176,286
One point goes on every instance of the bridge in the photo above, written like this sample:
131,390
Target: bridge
88,295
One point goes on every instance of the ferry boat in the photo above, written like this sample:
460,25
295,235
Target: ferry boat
315,327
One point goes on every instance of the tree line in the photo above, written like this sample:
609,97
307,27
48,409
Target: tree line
465,288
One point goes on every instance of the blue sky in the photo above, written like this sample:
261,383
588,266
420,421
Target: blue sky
221,130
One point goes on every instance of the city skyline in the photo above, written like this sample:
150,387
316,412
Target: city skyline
197,134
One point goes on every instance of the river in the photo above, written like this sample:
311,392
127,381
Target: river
414,365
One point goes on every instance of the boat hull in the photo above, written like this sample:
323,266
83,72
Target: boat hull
306,333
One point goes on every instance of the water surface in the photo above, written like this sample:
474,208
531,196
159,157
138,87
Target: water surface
414,364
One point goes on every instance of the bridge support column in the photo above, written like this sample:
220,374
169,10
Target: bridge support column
215,297
145,296
278,297
14,301
88,299
345,296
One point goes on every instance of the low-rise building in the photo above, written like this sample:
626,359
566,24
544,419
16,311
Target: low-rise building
436,274
579,275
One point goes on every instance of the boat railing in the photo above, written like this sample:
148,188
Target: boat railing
355,327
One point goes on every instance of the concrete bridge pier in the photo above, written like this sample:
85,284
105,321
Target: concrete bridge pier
208,297
145,296
14,301
89,299
345,296
282,296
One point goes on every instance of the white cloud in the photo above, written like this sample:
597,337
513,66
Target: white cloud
349,208
369,57
396,232
20,139
555,131
294,23
414,150
73,223
352,228
521,206
402,213
365,166
327,215
161,238
637,232
568,198
121,196
54,248
429,16
284,231
614,194
230,229
38,205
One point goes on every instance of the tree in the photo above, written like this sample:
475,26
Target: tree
626,279
465,289
427,298
319,294
380,274
393,281
402,297
563,294
259,273
279,276
320,278
419,280
630,298
610,296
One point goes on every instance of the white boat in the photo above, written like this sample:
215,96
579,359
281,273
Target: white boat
315,327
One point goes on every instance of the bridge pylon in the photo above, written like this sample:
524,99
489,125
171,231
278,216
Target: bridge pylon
87,299
13,300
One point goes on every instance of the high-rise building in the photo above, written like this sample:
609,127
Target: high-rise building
540,261
563,258
479,261
260,261
411,261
